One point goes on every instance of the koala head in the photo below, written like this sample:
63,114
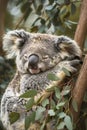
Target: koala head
36,52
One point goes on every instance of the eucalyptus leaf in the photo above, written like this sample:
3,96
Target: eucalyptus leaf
28,12
68,123
45,102
68,24
50,7
28,94
29,119
66,71
63,10
39,112
51,112
57,93
41,29
43,125
52,104
65,92
24,7
60,1
38,11
50,89
30,103
73,8
60,125
61,115
61,104
52,77
13,116
75,106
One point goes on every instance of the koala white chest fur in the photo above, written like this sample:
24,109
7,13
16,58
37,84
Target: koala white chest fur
36,55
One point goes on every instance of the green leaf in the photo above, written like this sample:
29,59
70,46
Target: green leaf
60,1
67,24
66,71
36,20
73,8
43,125
28,12
34,29
57,93
51,112
24,7
30,103
68,123
72,22
39,112
60,125
50,7
38,11
13,116
61,104
52,104
51,2
75,106
41,29
45,102
28,94
64,12
50,89
29,119
42,21
61,115
65,92
52,77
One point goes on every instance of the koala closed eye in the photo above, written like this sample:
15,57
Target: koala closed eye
25,57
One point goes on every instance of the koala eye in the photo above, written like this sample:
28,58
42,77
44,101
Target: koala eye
45,57
25,57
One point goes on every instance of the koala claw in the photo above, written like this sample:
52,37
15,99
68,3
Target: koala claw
70,65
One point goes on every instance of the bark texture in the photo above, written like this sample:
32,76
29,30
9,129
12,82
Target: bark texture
3,5
81,30
79,90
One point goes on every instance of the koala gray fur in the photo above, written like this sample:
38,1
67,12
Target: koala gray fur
36,55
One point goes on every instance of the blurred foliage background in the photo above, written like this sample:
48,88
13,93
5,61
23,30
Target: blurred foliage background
50,16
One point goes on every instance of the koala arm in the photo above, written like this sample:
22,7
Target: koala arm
10,101
71,66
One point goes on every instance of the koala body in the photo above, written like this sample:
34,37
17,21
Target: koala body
36,55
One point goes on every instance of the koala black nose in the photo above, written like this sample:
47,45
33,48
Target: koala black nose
33,61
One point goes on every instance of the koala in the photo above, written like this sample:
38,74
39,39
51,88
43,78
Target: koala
36,55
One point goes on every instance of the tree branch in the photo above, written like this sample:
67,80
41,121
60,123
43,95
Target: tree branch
81,30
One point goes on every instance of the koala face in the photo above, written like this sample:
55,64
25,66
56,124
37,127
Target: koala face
36,53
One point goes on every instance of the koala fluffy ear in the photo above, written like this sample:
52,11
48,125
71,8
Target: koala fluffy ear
67,47
13,41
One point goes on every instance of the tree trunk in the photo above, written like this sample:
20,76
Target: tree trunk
81,30
3,5
79,90
81,84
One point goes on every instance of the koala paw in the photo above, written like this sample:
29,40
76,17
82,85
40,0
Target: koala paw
16,105
71,66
